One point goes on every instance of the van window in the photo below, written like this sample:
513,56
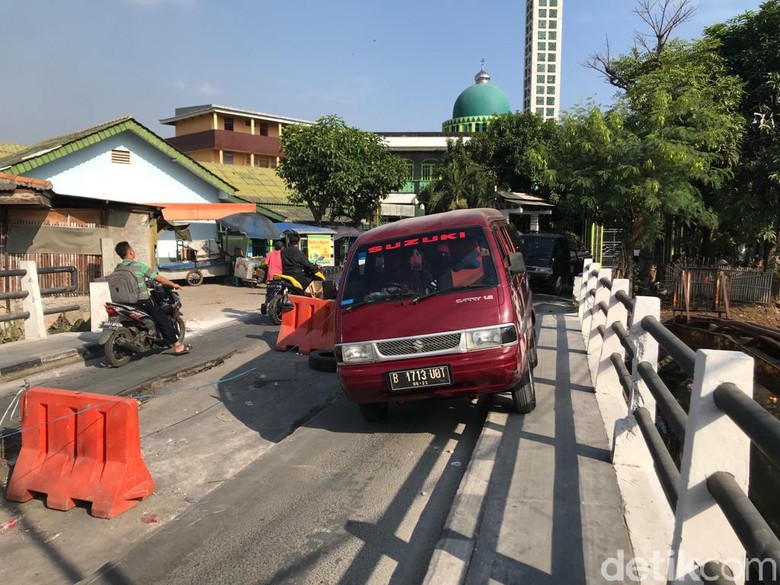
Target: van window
418,264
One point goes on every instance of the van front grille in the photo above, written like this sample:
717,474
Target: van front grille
419,345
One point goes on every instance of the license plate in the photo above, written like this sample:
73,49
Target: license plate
420,378
109,325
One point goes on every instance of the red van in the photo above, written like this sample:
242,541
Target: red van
436,307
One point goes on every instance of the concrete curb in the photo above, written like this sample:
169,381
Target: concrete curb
49,361
451,558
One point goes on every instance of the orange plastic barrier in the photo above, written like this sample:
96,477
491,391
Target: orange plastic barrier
308,326
80,446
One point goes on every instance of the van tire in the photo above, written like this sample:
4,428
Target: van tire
558,286
322,360
524,394
533,356
373,411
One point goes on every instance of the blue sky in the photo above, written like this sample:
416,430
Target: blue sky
381,65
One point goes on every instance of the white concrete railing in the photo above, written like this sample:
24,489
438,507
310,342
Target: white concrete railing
692,530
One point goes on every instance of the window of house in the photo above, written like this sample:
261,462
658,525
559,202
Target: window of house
550,101
229,124
551,89
553,13
553,2
551,57
539,101
542,56
540,111
551,69
539,89
552,35
542,46
550,112
551,79
540,79
540,67
427,170
227,157
261,161
552,46
542,24
273,163
553,24
263,129
542,35
248,160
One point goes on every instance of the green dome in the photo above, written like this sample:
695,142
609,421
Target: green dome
481,99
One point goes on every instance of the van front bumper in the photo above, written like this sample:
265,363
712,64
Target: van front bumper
478,372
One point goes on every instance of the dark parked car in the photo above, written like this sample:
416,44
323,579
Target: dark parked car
548,259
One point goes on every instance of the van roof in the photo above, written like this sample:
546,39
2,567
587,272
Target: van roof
427,223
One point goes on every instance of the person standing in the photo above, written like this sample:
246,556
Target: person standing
295,263
273,261
125,251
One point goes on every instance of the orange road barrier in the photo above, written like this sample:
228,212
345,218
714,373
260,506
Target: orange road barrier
78,446
308,326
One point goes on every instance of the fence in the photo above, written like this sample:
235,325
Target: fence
28,289
742,284
716,528
89,266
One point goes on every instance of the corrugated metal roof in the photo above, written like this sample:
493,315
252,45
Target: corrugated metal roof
49,150
7,148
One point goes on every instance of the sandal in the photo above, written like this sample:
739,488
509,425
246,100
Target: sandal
186,349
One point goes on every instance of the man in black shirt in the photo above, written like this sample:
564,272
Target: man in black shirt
295,263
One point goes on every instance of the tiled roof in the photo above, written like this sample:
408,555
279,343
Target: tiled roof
7,148
46,151
13,182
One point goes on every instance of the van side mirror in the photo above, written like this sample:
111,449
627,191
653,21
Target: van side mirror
516,263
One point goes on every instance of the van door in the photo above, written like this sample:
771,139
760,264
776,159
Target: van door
520,293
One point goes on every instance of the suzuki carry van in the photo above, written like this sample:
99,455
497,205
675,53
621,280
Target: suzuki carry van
436,307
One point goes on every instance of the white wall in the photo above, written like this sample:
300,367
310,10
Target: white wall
151,176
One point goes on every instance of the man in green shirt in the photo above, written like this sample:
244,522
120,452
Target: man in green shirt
125,251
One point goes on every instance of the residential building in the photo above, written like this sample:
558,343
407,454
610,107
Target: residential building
542,75
231,136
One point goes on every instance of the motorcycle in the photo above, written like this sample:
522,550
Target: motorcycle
129,330
277,295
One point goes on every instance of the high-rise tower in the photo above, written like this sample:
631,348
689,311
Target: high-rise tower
542,79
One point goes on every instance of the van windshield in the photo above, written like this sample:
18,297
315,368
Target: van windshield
419,264
538,250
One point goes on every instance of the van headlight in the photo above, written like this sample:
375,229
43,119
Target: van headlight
490,337
355,353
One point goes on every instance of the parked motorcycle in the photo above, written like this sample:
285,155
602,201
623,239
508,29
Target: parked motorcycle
277,295
129,330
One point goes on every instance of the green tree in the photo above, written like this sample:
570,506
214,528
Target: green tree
515,148
750,46
337,169
671,138
461,182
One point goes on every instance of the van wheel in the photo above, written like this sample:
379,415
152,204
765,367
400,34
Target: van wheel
373,411
558,286
533,357
322,360
275,309
524,394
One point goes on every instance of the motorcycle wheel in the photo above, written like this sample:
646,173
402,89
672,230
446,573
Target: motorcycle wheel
179,328
275,309
115,355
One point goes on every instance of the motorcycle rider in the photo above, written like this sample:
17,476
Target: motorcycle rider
273,261
125,251
295,263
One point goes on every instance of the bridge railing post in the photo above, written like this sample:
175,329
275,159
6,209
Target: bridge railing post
597,319
713,442
645,350
590,278
581,288
606,379
34,325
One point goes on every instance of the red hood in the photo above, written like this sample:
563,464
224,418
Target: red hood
401,318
